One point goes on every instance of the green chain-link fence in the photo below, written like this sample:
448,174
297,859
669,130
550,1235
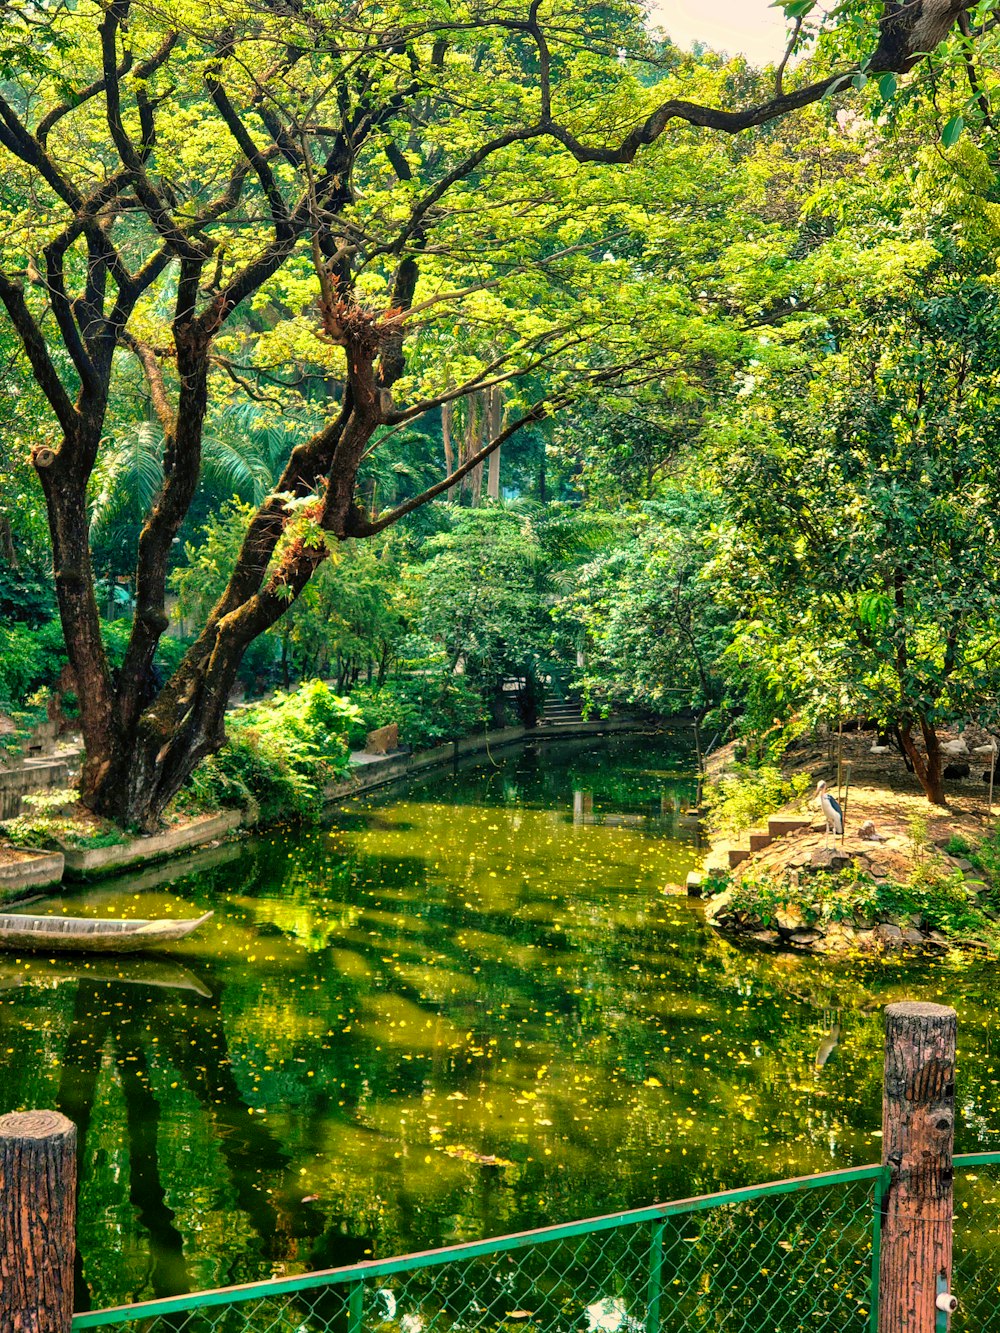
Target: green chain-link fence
779,1258
976,1254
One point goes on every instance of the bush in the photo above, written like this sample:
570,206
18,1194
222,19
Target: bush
278,756
30,659
428,709
937,899
47,820
750,795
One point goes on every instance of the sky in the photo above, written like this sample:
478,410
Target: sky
750,26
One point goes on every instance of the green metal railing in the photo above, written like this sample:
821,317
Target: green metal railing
793,1255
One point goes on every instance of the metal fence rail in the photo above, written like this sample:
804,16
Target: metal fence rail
793,1255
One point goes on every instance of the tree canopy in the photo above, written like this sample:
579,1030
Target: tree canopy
250,247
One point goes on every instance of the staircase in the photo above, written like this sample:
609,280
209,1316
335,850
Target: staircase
558,713
729,857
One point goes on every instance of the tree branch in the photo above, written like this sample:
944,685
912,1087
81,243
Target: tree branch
12,295
258,161
153,371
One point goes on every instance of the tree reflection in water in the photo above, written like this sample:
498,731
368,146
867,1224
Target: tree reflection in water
461,1012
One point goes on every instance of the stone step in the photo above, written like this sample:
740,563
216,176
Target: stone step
694,881
737,855
759,840
782,824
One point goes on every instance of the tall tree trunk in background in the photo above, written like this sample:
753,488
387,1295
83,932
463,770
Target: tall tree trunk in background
494,412
7,551
447,410
472,440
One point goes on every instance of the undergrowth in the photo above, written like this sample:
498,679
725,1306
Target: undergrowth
933,900
744,798
278,757
47,819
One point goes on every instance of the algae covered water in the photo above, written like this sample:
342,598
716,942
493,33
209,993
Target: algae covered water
465,1010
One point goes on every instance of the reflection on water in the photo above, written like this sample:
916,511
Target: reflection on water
465,1011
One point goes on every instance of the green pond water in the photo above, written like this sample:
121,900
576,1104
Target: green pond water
462,1011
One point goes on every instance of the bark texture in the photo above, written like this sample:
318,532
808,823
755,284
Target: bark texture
918,1130
928,766
37,1222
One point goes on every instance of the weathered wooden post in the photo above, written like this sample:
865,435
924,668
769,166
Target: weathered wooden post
918,1133
37,1221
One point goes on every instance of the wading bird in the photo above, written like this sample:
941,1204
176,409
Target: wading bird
831,809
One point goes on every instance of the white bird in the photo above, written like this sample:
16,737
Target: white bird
985,749
954,748
831,809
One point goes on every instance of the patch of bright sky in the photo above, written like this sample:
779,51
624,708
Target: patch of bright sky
748,26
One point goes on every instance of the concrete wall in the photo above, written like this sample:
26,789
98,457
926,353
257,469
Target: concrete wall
27,776
371,771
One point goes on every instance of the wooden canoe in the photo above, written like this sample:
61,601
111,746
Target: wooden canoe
91,934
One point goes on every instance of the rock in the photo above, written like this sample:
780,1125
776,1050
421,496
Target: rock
788,919
960,863
868,832
383,741
887,933
954,771
804,939
863,922
828,858
976,886
840,936
879,871
766,937
720,908
911,936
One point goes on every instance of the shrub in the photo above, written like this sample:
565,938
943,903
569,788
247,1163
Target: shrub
278,756
47,819
739,801
939,900
429,710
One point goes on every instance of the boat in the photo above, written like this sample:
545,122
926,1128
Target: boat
91,934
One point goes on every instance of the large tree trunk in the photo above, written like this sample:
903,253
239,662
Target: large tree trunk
927,765
63,474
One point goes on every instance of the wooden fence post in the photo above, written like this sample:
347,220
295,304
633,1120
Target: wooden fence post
918,1133
37,1221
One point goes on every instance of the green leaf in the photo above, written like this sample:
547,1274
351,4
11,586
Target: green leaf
952,132
887,86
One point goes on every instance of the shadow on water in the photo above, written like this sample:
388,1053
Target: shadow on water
462,1009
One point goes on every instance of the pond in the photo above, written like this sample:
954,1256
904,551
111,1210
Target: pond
460,1011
